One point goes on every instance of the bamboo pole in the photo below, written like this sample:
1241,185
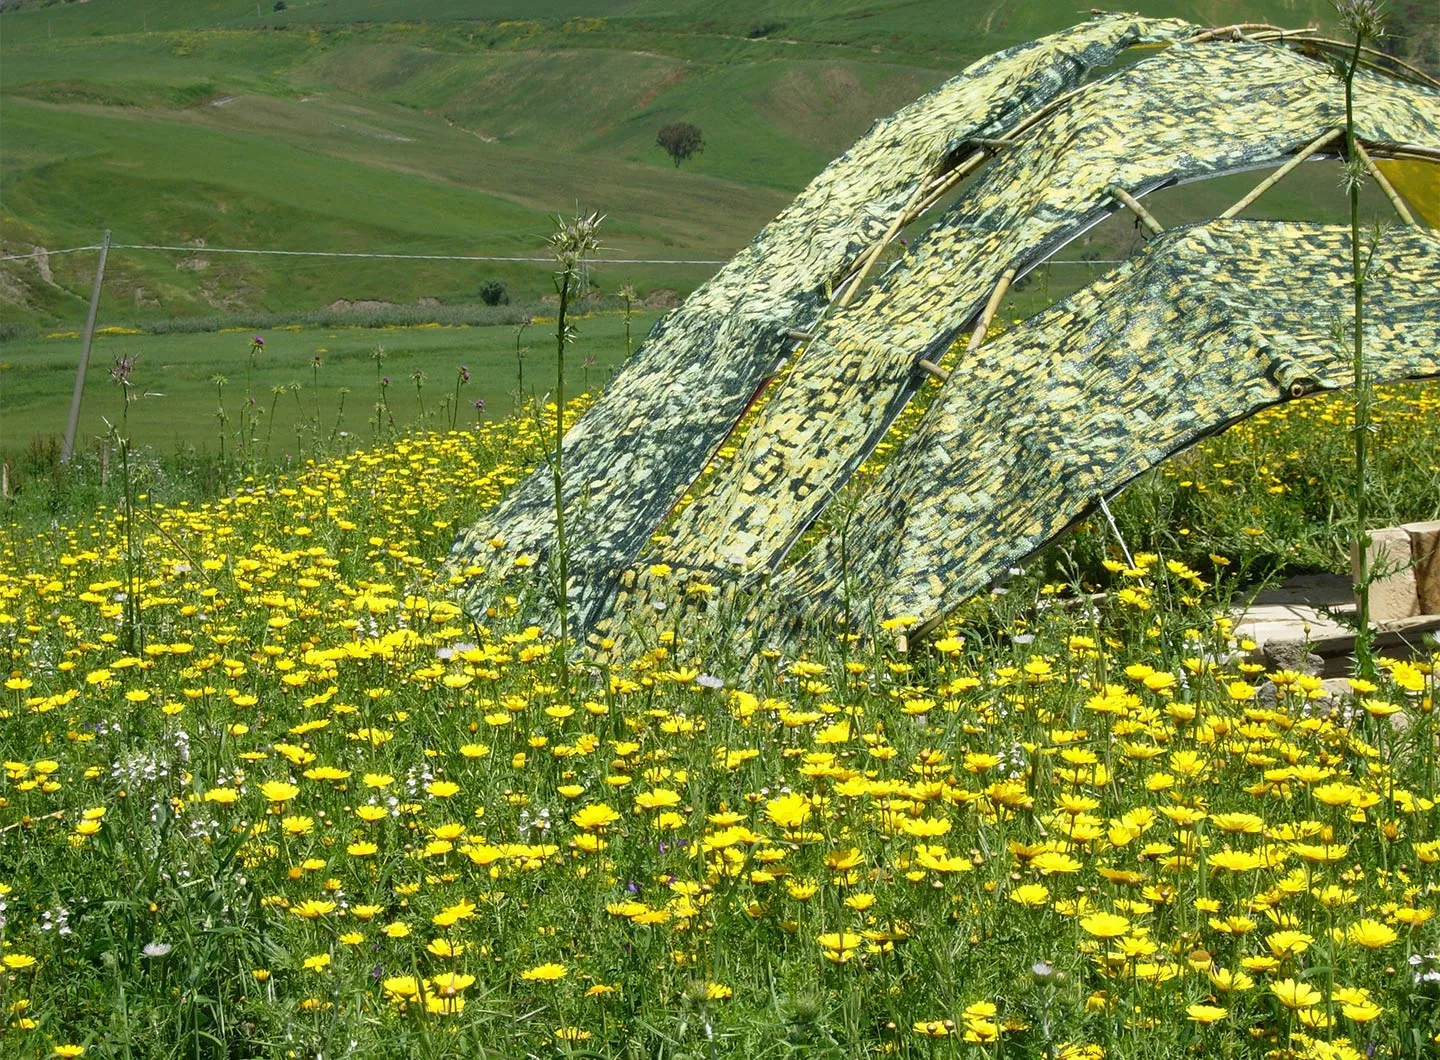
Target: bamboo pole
1385,185
873,254
1237,27
926,195
1044,112
74,421
1152,225
933,369
1269,182
1342,46
977,337
938,189
1389,149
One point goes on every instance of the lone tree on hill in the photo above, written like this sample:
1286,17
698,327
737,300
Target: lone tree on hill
680,140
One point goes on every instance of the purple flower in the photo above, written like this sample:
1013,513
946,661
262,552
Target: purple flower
258,340
479,404
121,369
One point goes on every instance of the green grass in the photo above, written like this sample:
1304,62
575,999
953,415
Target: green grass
36,377
443,127
305,794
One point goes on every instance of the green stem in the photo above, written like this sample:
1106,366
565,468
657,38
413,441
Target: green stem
1363,655
563,603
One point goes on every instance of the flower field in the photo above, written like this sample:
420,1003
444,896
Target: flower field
268,792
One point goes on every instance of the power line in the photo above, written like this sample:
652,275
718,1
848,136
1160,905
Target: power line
37,252
354,254
429,257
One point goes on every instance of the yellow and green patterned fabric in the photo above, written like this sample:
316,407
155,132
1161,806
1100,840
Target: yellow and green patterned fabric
1209,324
637,449
1179,115
1063,149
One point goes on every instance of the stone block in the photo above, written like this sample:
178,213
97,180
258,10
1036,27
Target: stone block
1425,548
1394,594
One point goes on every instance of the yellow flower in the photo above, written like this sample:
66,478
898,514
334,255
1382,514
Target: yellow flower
1105,925
1361,1011
839,946
442,789
1289,943
545,973
1049,862
312,909
68,1050
1030,894
278,790
788,811
1371,934
1295,995
594,817
318,963
1205,1014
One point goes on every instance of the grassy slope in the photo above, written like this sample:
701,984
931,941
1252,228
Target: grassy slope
36,376
458,130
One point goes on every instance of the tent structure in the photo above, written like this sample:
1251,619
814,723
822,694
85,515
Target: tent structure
1023,152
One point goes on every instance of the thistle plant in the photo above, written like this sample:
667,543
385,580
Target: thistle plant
220,413
418,378
571,242
247,411
628,294
315,363
276,392
120,373
520,352
461,378
1363,21
339,414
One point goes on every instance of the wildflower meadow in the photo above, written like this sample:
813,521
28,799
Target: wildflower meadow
269,792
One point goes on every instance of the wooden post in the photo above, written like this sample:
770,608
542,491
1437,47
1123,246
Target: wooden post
1120,194
5,479
933,369
1269,182
1385,185
991,308
872,255
74,421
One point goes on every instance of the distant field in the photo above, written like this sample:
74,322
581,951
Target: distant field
176,373
449,127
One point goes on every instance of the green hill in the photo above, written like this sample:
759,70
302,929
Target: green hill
451,127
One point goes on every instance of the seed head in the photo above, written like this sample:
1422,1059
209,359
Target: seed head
575,238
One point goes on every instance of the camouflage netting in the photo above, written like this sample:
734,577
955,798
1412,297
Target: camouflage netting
1198,108
640,446
1208,325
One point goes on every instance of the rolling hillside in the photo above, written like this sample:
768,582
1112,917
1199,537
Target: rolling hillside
450,127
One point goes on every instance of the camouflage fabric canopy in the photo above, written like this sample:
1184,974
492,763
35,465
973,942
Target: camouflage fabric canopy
1207,325
1201,106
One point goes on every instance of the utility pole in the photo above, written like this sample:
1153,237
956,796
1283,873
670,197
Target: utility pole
69,447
